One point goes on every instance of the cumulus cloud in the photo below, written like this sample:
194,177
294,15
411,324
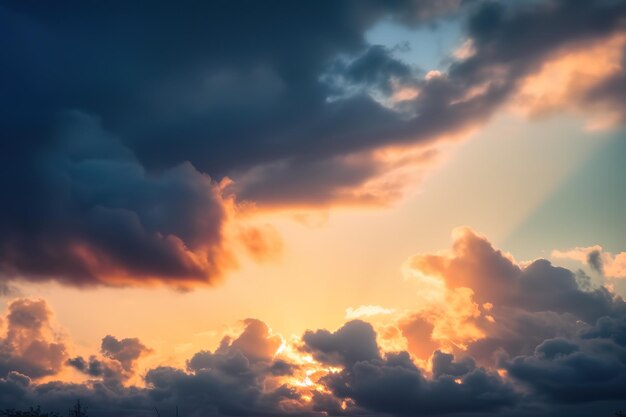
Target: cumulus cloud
131,188
573,371
125,351
108,373
117,363
509,308
394,384
30,346
548,342
354,342
241,377
542,328
255,344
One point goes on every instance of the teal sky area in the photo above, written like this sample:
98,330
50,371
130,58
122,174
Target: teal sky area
587,208
557,184
427,47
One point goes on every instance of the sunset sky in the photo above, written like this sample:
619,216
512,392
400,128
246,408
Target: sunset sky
313,208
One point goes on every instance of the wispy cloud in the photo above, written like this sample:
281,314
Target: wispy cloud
605,263
367,311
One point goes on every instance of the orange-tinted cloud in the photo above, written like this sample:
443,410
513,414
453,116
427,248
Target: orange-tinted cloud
419,335
473,263
488,304
261,242
30,345
567,79
118,225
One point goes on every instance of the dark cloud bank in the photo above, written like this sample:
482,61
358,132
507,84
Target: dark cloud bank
555,345
119,121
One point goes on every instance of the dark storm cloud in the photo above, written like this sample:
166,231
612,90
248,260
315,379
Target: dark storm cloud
214,84
157,100
84,211
278,95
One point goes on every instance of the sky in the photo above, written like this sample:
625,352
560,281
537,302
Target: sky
331,208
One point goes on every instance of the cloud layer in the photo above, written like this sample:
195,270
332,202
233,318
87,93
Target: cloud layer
489,336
